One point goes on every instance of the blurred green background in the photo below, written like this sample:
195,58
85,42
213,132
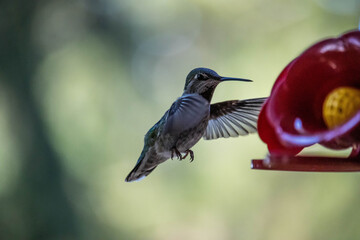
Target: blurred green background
82,81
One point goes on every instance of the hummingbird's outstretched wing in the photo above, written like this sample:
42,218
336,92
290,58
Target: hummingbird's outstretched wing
233,118
185,113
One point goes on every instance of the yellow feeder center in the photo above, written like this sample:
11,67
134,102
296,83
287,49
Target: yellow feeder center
340,105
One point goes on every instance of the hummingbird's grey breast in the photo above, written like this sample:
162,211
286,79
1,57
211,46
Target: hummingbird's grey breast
184,125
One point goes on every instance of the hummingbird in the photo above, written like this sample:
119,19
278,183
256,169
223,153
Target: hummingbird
191,117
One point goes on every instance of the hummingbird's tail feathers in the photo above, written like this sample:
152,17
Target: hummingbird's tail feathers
233,118
147,162
136,175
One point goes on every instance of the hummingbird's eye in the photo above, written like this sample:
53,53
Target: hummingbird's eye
201,77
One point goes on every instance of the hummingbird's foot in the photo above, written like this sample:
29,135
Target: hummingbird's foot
191,155
176,152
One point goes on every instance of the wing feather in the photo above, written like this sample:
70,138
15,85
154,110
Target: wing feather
185,113
233,118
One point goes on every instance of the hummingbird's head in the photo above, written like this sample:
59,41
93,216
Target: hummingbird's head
204,81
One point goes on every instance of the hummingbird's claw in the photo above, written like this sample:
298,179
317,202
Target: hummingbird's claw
176,152
191,155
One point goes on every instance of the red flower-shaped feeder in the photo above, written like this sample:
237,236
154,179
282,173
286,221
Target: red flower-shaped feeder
316,99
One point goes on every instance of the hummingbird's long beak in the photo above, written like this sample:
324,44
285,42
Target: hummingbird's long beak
234,79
